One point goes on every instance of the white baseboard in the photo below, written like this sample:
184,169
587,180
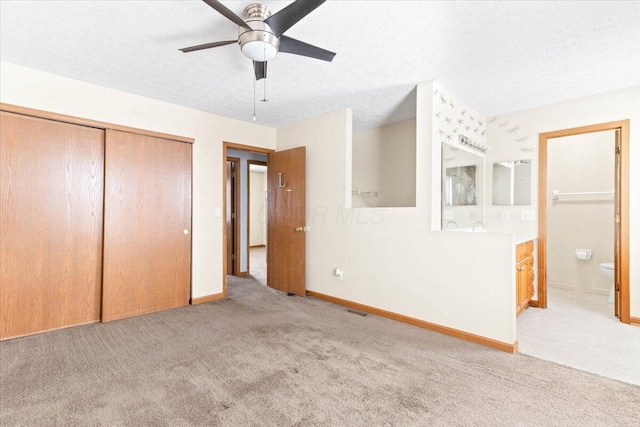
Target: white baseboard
576,288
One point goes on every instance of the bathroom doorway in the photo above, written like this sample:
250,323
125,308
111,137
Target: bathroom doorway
619,218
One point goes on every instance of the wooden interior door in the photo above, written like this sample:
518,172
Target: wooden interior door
51,182
286,224
231,215
147,225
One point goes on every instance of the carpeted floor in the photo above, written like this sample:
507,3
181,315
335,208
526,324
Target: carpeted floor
260,358
258,264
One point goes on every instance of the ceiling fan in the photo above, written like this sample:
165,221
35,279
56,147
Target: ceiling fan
261,36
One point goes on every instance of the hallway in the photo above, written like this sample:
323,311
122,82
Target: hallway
257,271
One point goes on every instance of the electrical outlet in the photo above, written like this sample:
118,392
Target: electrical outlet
449,215
504,216
528,215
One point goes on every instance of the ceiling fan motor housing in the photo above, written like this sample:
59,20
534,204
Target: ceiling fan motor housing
260,43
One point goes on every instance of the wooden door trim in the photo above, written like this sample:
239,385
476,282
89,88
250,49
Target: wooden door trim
226,145
249,163
623,208
25,111
242,147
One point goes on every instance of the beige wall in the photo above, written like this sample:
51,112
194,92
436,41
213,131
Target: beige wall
390,256
384,162
44,91
580,163
366,166
523,144
257,192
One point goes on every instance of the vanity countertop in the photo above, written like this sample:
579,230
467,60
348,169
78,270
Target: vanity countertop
468,230
519,238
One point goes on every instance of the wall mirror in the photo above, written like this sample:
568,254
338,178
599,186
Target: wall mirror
512,182
462,188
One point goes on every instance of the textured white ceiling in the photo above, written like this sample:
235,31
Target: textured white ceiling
496,56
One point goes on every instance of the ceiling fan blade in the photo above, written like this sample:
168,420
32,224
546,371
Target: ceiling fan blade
296,47
222,10
208,45
290,15
261,70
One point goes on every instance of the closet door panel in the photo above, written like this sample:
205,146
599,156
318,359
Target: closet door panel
147,240
51,209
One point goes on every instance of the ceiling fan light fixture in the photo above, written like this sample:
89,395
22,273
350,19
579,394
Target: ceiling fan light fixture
258,43
261,36
259,50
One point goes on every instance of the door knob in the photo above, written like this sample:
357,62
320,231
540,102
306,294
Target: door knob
186,231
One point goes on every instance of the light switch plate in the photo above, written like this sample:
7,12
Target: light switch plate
218,212
528,215
504,216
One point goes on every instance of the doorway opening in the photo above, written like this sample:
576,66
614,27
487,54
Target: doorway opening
619,218
285,241
244,237
257,219
583,226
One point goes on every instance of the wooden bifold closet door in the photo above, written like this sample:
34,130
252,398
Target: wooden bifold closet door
51,187
147,225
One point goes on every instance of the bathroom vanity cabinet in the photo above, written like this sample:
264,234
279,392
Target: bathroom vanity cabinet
524,275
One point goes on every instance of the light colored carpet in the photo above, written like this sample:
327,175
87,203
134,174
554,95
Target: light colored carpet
260,358
258,264
580,330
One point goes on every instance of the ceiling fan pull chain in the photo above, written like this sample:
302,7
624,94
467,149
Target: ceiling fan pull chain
264,50
265,91
254,99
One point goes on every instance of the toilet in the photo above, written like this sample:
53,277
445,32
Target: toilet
608,270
